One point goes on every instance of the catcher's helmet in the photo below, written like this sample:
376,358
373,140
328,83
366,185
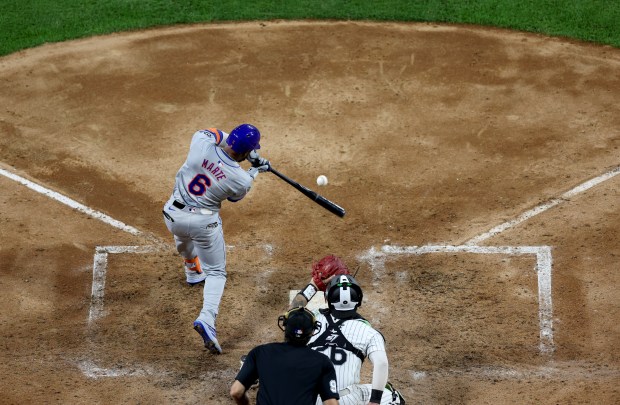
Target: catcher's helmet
298,324
344,295
244,138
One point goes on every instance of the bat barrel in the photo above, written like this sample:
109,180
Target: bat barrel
317,198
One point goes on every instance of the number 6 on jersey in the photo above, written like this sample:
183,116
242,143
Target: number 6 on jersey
199,184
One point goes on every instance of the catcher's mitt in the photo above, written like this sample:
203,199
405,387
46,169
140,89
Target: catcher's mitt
326,267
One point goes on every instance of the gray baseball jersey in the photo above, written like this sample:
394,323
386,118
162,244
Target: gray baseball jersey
209,176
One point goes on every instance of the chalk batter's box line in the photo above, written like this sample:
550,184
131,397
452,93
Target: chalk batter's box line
71,203
544,270
100,267
545,206
544,264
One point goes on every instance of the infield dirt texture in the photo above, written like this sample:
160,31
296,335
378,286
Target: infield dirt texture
478,168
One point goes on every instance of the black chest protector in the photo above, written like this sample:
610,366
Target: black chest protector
333,337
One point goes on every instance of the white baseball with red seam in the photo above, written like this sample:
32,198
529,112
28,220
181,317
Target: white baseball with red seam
321,180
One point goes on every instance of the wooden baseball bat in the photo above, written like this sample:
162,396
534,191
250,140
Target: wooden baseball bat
317,198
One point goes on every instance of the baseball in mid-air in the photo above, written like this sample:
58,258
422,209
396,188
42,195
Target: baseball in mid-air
321,180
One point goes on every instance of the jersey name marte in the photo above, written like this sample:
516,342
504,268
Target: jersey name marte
209,176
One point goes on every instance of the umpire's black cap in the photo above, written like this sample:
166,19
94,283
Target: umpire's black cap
298,324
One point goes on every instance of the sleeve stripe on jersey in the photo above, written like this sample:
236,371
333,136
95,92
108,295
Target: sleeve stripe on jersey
217,133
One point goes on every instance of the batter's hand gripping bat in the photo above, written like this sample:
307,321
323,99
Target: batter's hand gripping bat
317,198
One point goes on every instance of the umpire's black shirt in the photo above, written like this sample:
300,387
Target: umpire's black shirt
288,374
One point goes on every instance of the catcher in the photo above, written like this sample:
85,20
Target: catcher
346,337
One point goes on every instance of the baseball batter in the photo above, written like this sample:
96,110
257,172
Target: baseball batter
346,337
210,175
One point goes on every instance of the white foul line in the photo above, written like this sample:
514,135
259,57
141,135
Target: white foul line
544,207
562,371
543,270
71,203
100,265
91,370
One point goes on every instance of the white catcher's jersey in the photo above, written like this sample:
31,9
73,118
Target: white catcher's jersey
209,176
346,363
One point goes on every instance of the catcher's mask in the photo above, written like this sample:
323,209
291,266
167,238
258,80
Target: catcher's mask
343,295
298,324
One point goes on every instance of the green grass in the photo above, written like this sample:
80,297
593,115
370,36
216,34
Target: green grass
28,23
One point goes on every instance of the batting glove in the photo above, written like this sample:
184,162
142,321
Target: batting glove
257,161
253,171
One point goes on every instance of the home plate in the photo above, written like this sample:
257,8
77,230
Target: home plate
317,302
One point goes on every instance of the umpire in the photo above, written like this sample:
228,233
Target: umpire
289,371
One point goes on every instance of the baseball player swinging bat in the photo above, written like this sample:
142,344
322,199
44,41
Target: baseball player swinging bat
317,198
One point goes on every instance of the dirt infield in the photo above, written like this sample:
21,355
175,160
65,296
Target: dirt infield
478,168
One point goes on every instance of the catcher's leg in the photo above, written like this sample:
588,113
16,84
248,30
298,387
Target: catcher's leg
390,395
356,394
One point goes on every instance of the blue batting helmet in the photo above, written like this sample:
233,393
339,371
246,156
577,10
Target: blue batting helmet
244,138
